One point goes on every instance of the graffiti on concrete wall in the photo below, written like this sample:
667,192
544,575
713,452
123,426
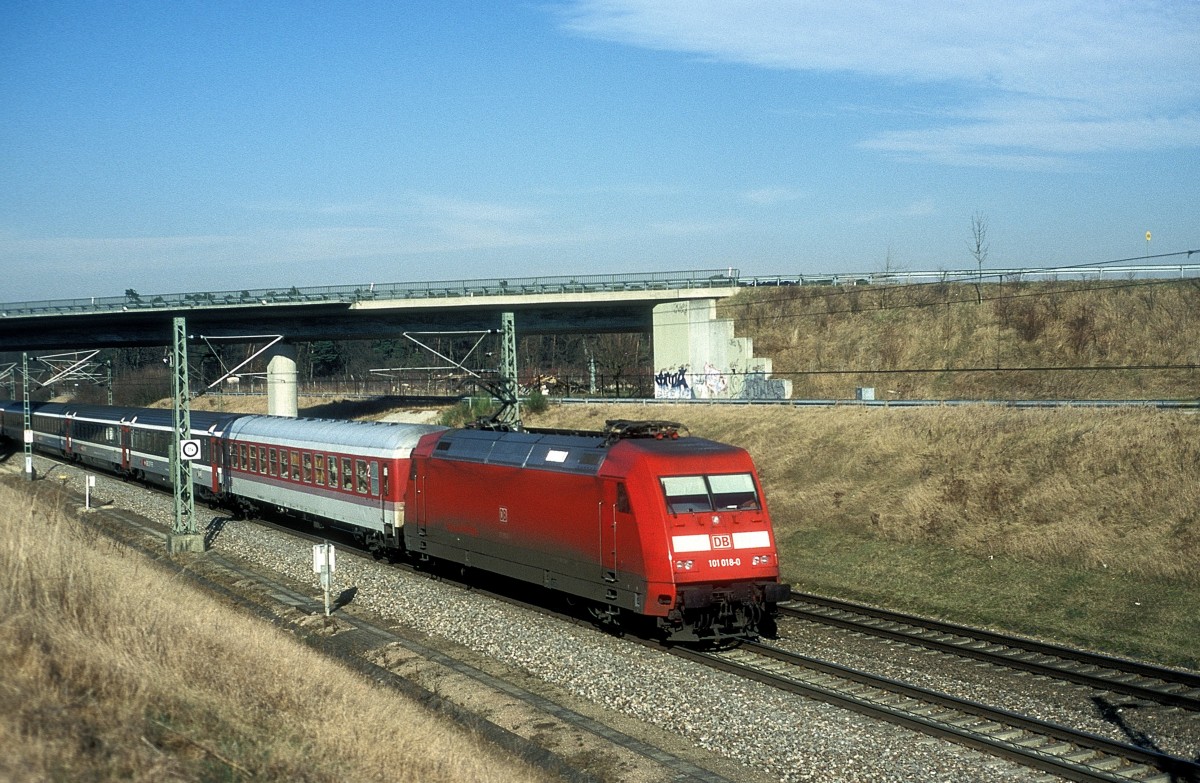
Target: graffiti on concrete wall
714,383
758,386
672,384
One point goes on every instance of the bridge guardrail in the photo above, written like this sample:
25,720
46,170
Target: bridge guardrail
348,294
576,284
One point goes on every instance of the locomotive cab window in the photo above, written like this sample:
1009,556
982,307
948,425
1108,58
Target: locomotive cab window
686,494
733,491
623,499
691,494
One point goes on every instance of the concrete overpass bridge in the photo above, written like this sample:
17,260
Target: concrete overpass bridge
677,308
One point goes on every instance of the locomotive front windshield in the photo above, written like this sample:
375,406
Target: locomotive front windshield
689,494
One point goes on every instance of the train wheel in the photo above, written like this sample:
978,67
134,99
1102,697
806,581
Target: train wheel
375,544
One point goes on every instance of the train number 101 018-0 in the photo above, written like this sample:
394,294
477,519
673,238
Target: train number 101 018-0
721,562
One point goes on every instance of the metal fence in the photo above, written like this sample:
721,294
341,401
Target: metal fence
1015,274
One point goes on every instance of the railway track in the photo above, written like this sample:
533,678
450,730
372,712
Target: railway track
1153,684
1071,754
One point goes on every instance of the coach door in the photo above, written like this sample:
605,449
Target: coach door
126,436
214,460
68,433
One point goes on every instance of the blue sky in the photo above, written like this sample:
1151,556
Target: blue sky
188,146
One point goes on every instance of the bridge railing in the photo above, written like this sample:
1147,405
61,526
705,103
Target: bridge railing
132,301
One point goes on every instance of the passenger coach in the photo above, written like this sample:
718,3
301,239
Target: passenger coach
348,474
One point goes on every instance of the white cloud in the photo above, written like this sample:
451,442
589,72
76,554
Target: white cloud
1037,80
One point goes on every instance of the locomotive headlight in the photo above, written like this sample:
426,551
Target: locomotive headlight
684,565
761,559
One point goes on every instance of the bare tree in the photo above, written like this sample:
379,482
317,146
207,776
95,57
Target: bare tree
979,248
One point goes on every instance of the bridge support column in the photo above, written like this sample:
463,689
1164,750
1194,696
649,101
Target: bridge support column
282,392
697,356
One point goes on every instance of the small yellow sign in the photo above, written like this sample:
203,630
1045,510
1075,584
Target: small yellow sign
1147,236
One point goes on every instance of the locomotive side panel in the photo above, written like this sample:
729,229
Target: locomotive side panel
534,525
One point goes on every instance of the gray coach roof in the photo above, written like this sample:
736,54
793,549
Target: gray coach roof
330,434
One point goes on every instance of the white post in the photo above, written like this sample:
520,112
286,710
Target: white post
87,492
324,563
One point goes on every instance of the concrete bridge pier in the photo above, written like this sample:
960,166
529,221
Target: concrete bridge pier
697,356
282,386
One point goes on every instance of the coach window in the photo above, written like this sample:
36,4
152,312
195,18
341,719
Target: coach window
241,456
307,462
253,459
363,476
295,466
262,459
319,469
374,478
347,473
274,463
333,471
284,470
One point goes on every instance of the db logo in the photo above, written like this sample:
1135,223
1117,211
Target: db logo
722,542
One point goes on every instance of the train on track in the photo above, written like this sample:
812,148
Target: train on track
642,523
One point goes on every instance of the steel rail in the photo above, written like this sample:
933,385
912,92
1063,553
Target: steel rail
1160,684
1074,755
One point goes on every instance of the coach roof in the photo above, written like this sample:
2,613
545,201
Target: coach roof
330,434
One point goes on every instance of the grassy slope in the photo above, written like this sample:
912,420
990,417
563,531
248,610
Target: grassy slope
106,679
887,332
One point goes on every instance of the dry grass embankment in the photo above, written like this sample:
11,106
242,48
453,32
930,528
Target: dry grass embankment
114,670
887,332
1075,523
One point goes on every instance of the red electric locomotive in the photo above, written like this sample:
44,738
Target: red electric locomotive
638,520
